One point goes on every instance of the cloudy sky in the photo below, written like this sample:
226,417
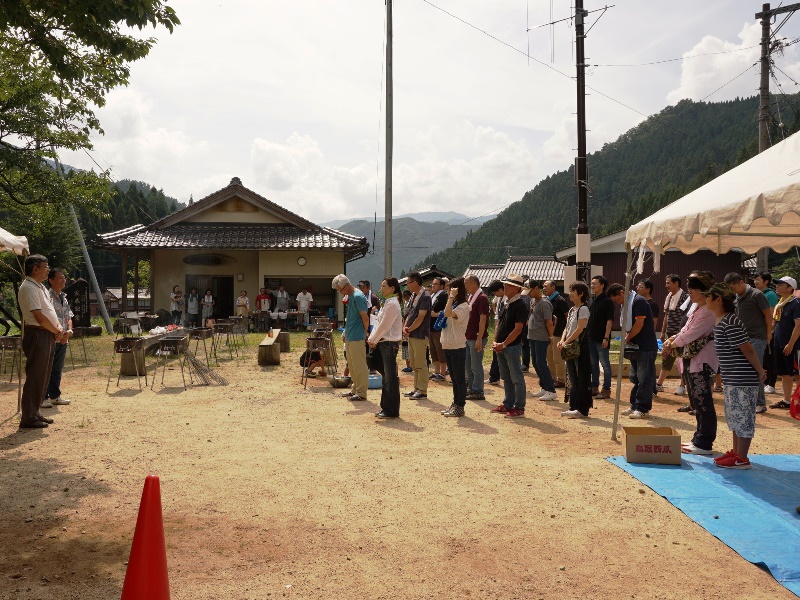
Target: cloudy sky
288,96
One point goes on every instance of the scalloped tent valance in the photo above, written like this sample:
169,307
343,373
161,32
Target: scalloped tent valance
753,206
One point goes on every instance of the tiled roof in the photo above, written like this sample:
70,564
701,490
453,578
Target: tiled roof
532,267
429,272
485,273
233,236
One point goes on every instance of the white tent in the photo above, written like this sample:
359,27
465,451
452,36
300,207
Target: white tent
12,243
755,205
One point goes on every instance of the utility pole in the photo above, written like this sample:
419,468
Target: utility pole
583,251
762,256
387,222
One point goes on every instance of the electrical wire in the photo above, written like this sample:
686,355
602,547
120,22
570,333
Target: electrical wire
658,62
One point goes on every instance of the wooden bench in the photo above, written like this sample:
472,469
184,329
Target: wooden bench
269,352
284,340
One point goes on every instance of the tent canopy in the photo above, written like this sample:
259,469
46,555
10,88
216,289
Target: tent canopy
753,206
12,243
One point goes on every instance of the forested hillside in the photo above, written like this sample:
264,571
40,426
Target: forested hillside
665,157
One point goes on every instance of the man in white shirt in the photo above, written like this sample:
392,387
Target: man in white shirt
41,330
304,300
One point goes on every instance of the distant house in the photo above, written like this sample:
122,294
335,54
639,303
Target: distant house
542,268
113,299
236,240
428,274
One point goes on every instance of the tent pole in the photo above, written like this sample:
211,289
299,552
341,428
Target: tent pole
90,269
621,362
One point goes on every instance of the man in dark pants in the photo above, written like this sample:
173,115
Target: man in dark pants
57,281
496,290
41,331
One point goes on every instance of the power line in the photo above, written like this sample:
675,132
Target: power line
729,81
658,62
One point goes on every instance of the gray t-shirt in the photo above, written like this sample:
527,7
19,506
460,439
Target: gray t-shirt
541,313
750,309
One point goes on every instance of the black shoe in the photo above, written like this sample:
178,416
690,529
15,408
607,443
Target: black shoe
32,424
383,415
43,419
686,408
409,394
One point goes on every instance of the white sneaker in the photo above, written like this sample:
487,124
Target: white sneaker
46,404
627,412
690,448
572,414
680,391
61,401
547,396
637,414
768,389
538,394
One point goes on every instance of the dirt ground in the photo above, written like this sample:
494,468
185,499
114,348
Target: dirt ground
269,490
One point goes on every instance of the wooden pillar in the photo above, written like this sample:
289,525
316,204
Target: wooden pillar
136,281
124,298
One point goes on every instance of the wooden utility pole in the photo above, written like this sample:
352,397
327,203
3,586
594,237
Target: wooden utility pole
583,256
387,223
762,256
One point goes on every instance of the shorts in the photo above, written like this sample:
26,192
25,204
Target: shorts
740,409
784,365
668,363
437,353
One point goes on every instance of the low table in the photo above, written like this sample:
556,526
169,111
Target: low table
269,350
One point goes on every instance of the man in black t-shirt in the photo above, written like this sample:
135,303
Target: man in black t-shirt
507,346
560,310
601,317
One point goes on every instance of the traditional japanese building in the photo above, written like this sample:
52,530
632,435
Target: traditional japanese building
236,240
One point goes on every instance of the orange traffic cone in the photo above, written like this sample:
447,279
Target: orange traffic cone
146,577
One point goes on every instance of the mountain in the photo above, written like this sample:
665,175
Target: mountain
412,240
449,217
651,165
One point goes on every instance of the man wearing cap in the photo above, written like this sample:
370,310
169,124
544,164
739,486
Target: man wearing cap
753,310
786,336
356,325
41,331
507,347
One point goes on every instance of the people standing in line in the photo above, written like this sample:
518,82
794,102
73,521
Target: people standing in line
58,280
176,304
762,283
670,326
192,308
356,326
477,336
417,330
438,301
579,368
507,345
786,336
281,299
41,330
207,303
601,317
454,344
405,304
497,293
385,337
753,310
540,330
699,362
742,374
243,305
641,333
560,310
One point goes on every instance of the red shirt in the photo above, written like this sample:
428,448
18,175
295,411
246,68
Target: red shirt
479,307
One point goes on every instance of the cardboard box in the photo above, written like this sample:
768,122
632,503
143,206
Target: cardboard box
652,445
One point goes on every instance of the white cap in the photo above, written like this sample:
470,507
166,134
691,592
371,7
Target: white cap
790,281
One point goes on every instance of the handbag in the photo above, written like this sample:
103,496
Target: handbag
631,352
692,349
441,322
571,350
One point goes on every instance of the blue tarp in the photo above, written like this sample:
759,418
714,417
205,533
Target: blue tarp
753,512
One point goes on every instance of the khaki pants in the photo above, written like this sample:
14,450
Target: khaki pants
417,356
357,361
554,360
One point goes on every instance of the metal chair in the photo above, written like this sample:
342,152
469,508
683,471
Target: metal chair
169,346
133,346
12,343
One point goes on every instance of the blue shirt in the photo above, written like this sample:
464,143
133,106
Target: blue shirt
353,325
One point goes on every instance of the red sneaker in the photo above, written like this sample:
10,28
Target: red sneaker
734,462
500,409
728,454
515,413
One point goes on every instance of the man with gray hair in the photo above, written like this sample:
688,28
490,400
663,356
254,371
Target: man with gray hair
356,325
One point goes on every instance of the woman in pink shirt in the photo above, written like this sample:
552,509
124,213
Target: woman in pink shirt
699,370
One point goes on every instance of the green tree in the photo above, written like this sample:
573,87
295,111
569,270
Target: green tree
788,268
144,276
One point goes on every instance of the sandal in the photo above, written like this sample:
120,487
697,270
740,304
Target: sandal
781,404
686,408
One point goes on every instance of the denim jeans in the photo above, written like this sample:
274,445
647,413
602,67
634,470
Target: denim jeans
759,346
456,360
539,350
642,375
510,363
599,356
390,390
54,387
473,366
